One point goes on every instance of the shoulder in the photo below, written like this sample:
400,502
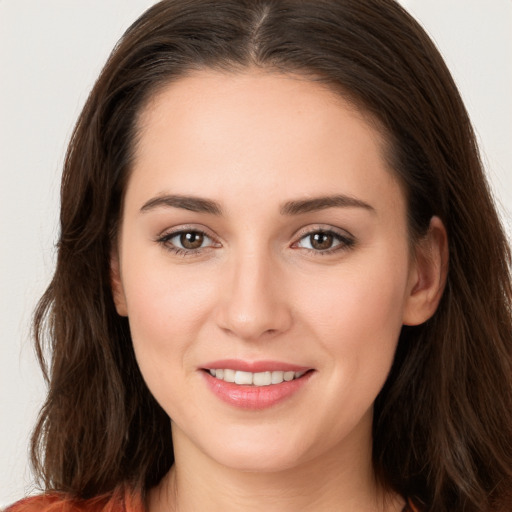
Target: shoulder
48,503
31,504
59,502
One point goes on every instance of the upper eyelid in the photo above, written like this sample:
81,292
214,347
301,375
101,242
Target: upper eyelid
308,230
170,232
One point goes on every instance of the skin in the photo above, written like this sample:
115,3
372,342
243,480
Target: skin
257,289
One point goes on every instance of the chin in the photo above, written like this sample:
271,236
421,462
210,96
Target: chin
260,451
262,461
266,449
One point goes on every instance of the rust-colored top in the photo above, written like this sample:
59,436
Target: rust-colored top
119,501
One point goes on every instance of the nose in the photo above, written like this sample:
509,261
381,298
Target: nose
254,303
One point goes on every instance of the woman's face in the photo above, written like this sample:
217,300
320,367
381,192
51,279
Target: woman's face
263,239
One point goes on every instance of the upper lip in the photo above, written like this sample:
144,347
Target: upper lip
254,366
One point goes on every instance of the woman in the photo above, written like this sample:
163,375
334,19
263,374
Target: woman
281,280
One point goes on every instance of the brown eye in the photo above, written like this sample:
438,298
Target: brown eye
186,242
321,241
324,242
191,240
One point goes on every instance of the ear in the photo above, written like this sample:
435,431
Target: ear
116,284
428,275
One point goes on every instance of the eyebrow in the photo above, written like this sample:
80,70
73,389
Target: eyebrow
297,207
191,203
322,203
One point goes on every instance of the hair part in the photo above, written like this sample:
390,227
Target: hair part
443,422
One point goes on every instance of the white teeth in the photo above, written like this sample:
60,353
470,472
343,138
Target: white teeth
262,379
243,378
288,376
229,375
277,377
255,379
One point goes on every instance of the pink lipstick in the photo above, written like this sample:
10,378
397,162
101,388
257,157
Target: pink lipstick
254,385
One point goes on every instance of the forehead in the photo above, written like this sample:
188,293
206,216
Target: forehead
260,131
248,98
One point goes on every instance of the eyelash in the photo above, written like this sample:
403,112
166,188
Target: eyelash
165,240
344,242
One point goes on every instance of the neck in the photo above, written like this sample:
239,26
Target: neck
340,480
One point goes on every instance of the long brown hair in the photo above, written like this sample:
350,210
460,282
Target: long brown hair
443,422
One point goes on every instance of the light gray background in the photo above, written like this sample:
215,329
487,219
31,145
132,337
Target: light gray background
50,54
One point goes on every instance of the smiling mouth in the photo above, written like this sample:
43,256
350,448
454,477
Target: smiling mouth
257,379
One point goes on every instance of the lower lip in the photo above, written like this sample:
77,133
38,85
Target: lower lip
255,397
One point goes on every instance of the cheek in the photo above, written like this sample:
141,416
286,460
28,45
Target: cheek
166,309
356,313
